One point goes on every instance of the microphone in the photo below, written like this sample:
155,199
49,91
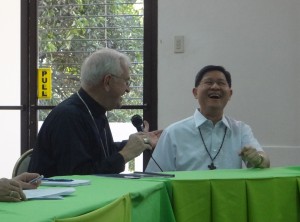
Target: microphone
137,122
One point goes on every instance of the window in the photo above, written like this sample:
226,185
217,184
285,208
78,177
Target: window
67,32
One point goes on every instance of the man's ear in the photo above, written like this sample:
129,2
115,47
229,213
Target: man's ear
106,81
231,92
195,92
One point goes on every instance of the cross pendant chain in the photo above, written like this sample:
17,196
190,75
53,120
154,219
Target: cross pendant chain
212,165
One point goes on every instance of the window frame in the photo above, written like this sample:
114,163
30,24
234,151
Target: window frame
29,64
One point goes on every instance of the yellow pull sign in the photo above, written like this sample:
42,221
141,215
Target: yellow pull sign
44,83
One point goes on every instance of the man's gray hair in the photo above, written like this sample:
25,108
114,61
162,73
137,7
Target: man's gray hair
102,62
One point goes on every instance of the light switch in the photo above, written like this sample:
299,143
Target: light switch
179,44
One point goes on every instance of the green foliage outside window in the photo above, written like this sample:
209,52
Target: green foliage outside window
69,30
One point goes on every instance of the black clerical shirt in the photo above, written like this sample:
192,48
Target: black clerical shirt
68,142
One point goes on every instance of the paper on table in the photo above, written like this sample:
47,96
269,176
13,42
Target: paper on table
48,193
72,183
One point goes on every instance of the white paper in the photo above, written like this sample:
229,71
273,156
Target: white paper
48,193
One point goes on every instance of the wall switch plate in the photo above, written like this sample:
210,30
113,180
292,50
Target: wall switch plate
179,44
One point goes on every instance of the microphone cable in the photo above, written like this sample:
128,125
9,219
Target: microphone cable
155,161
137,122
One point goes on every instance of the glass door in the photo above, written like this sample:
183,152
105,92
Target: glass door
59,35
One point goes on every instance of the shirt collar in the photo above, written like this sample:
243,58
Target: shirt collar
96,109
200,119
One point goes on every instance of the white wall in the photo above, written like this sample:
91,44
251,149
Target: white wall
258,41
9,86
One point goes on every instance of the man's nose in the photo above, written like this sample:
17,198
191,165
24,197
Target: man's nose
215,85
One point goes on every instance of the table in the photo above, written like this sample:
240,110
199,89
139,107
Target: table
242,195
104,199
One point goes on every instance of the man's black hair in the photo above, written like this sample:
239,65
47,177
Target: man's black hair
209,68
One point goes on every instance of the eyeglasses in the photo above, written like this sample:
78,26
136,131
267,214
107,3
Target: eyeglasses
210,83
128,82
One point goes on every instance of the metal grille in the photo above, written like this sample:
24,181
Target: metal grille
69,30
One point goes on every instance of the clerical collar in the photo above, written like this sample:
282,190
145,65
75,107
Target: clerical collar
95,107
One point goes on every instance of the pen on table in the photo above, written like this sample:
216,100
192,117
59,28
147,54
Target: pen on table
37,179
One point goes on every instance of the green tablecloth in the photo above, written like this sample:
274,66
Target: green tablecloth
149,201
244,195
119,210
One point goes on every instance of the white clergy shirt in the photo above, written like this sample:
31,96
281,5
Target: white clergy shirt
180,147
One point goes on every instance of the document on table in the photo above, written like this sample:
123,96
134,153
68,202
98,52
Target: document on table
64,182
48,193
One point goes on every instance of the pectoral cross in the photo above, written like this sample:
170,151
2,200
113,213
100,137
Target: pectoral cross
212,166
